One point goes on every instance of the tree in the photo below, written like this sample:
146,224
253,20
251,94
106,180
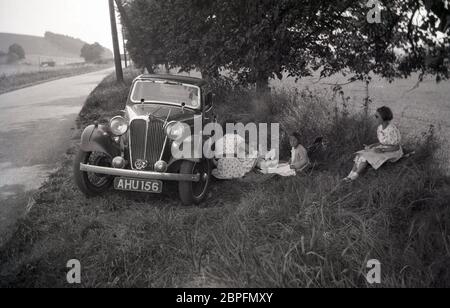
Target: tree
92,53
442,11
260,39
145,44
16,52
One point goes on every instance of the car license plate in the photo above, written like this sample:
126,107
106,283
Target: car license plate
137,185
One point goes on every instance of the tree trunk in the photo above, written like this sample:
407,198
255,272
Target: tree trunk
150,64
209,74
167,67
367,100
149,67
262,84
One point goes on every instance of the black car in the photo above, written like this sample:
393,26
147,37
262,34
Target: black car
135,151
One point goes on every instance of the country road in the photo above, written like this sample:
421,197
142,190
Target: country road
36,128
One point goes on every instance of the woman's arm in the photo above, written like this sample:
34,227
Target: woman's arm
298,165
388,149
369,147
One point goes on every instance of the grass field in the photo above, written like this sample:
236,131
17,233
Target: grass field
307,231
16,69
17,77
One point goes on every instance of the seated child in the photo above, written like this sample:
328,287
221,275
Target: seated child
299,158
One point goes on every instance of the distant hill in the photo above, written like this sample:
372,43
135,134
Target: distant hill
51,45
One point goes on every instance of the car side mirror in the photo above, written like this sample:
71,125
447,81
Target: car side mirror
209,101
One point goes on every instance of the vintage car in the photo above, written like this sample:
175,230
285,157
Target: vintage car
134,152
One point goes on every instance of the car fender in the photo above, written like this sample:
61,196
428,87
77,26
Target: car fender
195,152
97,138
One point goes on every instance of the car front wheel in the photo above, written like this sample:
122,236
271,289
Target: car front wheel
92,184
195,192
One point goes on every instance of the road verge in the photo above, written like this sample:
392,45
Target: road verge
307,231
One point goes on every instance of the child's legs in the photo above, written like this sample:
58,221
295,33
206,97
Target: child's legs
355,167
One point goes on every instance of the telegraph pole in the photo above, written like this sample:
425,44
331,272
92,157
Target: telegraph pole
115,38
124,48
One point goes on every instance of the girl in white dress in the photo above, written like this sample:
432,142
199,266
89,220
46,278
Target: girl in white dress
388,149
299,156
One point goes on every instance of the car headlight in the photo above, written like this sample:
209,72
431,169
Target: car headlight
119,126
177,131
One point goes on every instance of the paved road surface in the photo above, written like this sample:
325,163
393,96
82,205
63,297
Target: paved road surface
36,128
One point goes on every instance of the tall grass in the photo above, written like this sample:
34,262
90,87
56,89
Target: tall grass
308,231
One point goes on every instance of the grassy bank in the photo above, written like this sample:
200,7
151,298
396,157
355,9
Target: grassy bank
18,81
307,231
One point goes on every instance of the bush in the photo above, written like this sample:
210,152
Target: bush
17,50
92,53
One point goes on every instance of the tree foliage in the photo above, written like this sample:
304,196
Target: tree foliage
260,39
92,52
15,53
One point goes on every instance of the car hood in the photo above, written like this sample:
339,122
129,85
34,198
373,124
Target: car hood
161,111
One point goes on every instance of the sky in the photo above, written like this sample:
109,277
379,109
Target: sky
84,19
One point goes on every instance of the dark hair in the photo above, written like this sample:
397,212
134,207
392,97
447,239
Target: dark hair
386,113
296,136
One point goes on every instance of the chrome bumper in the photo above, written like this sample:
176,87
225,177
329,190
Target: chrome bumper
146,175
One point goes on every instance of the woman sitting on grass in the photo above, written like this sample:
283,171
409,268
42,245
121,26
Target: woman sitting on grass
388,149
235,158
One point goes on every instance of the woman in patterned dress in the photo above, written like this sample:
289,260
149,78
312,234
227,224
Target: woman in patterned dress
388,149
235,158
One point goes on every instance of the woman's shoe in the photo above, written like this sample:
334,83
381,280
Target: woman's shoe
353,176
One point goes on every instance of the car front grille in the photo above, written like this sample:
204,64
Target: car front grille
147,139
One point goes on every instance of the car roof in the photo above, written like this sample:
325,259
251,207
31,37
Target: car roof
174,78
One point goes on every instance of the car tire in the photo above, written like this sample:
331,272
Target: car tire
192,193
82,180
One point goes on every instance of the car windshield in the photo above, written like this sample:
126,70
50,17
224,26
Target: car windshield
166,92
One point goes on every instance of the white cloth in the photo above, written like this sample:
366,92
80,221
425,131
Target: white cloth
283,170
270,161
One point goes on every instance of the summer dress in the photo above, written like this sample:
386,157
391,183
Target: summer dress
390,136
230,165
